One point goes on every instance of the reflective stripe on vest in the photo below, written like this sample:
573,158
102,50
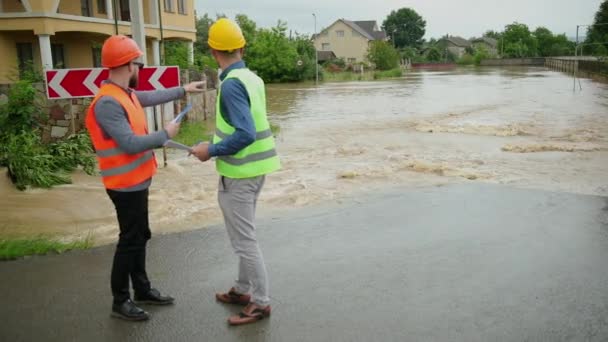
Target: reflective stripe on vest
118,168
260,157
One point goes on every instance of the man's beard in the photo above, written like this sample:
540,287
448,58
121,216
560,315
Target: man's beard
134,81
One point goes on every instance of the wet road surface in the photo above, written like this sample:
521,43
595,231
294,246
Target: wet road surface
465,262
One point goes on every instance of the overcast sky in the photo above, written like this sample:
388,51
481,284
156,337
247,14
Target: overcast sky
466,18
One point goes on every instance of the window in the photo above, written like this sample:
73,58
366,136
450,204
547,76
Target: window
85,8
181,7
325,46
58,56
340,33
25,54
101,6
169,6
96,57
125,11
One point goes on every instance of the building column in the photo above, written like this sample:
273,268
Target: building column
153,5
46,56
110,8
190,52
156,51
137,25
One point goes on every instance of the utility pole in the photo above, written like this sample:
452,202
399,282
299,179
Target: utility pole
316,53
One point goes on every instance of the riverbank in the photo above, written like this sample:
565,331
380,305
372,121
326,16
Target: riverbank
520,127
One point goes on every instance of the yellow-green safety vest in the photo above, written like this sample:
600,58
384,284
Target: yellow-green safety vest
260,157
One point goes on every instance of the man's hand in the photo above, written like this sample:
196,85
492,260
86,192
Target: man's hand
201,151
194,87
172,129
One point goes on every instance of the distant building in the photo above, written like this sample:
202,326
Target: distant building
456,45
348,39
69,33
489,44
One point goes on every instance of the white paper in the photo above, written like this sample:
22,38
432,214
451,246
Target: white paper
173,144
180,116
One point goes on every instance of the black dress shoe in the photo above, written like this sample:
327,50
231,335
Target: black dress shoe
153,297
129,311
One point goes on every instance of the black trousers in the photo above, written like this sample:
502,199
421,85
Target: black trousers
130,255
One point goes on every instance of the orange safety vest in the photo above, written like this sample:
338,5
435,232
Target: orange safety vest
119,169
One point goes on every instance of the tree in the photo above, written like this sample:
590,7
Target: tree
305,69
519,42
176,53
433,54
405,27
383,55
493,34
272,55
248,27
551,45
202,34
597,35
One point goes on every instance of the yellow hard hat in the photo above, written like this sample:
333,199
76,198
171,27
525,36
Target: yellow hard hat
225,35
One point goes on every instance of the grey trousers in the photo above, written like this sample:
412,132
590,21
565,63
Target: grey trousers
237,199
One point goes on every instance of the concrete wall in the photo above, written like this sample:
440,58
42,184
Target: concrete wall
67,116
513,62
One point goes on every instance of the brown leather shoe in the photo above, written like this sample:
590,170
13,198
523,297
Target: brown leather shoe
250,314
233,297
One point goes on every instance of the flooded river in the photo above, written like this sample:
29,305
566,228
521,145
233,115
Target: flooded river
523,127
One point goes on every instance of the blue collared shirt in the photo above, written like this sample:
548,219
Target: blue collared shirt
236,111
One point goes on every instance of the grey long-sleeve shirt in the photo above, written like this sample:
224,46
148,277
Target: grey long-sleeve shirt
113,120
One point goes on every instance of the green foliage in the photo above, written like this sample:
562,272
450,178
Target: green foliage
597,35
405,27
73,152
202,34
191,133
176,53
433,55
13,249
20,112
519,41
388,73
273,56
466,59
30,163
383,55
480,54
552,45
248,27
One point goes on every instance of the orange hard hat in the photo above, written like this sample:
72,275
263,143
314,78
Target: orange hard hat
119,50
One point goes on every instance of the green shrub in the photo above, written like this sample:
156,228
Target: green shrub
29,162
388,73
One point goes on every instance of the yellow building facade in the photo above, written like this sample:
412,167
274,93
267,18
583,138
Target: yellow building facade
55,34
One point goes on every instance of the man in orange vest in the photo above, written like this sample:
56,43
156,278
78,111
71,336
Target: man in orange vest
117,124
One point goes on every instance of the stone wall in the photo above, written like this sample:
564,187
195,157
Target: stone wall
66,117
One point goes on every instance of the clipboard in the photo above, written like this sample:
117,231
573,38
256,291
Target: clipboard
180,116
176,145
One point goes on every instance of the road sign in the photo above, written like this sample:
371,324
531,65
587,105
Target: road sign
74,83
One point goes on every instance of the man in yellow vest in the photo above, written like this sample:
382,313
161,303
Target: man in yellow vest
117,124
244,151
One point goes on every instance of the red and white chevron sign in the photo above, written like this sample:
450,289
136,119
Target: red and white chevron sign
74,83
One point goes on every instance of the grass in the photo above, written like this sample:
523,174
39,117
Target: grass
191,133
11,249
347,76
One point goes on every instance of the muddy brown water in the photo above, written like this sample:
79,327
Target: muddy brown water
523,127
